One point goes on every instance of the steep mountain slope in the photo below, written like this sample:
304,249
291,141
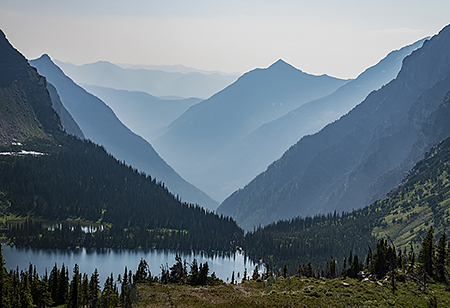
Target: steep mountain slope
99,123
25,111
68,123
154,82
144,114
336,168
421,201
77,179
212,126
239,164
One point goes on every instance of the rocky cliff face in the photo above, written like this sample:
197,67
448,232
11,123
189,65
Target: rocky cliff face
337,168
25,106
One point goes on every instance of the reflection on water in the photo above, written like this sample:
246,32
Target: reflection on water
109,261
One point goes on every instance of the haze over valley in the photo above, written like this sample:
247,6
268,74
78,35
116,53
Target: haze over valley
280,156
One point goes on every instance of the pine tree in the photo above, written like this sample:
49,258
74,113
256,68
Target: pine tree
74,295
426,254
26,300
84,294
5,284
194,273
177,273
53,281
411,257
125,294
143,272
441,257
63,286
203,274
285,271
43,295
94,289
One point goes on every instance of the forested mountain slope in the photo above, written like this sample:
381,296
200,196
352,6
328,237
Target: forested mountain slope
344,166
99,124
421,201
47,174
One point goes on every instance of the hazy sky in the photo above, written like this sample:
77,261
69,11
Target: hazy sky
339,38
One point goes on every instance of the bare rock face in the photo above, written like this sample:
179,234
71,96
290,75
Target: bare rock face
25,105
12,63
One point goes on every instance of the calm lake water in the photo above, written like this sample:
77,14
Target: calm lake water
109,261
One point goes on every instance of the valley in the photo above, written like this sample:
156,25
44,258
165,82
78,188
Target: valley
333,192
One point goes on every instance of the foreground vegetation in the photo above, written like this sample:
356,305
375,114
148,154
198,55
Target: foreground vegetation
387,277
294,292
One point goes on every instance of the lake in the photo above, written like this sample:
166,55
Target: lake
109,261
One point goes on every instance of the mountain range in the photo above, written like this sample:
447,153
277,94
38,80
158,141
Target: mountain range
210,127
145,114
99,124
359,158
49,175
155,82
251,155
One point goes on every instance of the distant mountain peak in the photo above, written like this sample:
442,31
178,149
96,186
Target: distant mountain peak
45,57
281,64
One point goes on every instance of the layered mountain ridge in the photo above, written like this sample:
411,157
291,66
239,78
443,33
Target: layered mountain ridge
256,151
99,124
337,168
212,126
48,175
144,114
153,81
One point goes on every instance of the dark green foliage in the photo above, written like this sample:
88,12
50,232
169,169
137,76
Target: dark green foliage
426,254
198,273
379,263
285,271
312,239
143,273
74,293
94,289
177,273
441,257
82,181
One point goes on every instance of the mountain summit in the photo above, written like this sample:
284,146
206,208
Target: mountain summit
212,126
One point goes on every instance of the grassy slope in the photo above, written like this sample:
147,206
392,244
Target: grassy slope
293,292
424,200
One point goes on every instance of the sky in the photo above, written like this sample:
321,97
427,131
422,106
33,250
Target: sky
338,38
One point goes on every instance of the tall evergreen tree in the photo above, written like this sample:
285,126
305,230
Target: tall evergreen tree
94,289
26,300
74,294
426,254
441,257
